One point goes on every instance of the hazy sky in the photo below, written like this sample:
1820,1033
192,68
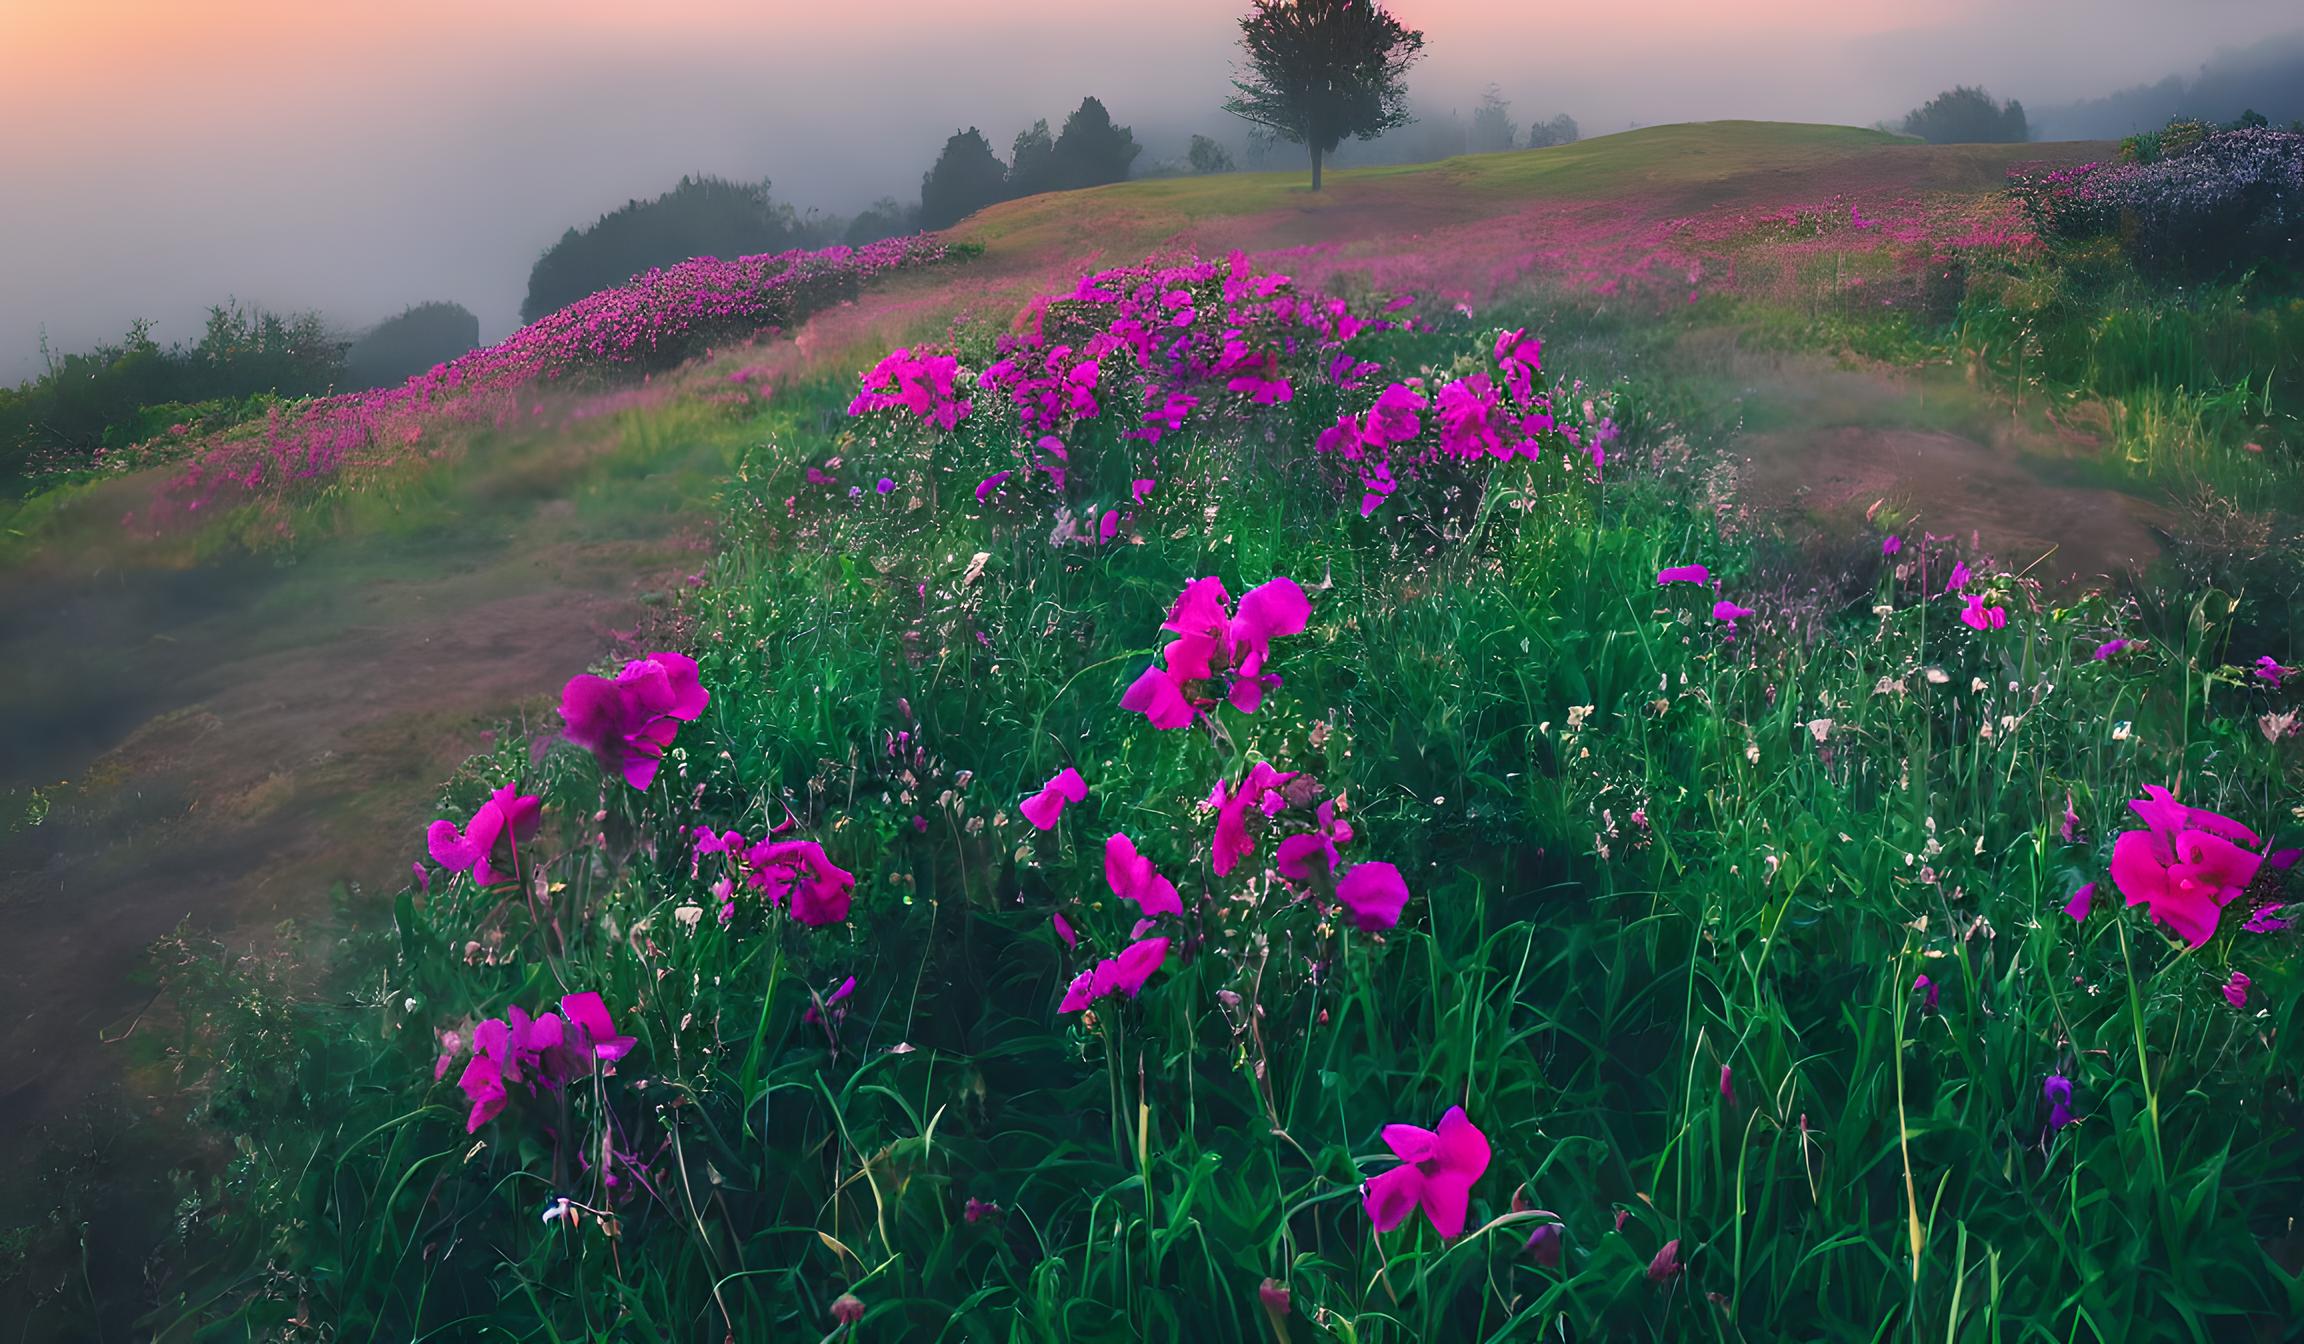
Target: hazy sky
360,155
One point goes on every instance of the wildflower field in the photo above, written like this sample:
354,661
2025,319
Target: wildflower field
1211,804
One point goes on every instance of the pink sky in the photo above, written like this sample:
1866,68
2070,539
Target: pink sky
359,155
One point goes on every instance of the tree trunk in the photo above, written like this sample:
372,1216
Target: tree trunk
1315,167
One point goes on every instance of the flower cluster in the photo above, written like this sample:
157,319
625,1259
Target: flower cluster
628,722
547,1050
654,321
1219,649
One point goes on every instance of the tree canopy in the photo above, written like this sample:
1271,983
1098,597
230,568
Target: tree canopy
967,177
1967,116
1321,71
702,217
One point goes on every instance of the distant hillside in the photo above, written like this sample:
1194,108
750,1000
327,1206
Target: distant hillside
2267,78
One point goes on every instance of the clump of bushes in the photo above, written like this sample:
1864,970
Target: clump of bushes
2189,202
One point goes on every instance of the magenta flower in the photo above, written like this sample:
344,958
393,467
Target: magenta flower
2270,671
508,817
2105,650
1133,878
2057,1089
2081,903
2266,919
1044,808
587,1012
1519,358
2236,990
2070,831
1257,788
1394,417
1544,1245
1926,988
1125,975
1960,577
1667,1263
1210,640
1980,617
1683,574
820,890
1891,544
627,723
884,485
830,1002
1063,929
1307,857
1731,613
985,487
2186,866
1437,1169
1159,697
1375,893
1728,1085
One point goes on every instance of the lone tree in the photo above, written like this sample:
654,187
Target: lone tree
1492,126
1320,71
967,177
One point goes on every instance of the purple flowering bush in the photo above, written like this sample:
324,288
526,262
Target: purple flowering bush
2219,203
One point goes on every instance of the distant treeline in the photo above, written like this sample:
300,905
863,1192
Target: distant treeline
2267,79
1090,151
134,389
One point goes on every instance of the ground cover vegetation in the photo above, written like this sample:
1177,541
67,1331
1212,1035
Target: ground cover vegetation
1214,810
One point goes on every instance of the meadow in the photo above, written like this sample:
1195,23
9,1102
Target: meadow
1281,795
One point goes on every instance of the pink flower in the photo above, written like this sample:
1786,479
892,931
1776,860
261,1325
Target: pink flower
1393,419
1063,929
1044,808
1132,878
1891,544
1960,577
820,890
1125,974
627,723
830,1002
595,1031
1666,1264
1467,412
2236,990
1728,611
2082,901
1375,893
1728,1085
1980,617
1926,988
1437,1169
508,816
1683,574
1544,1245
985,487
1159,698
1519,359
2186,866
2270,671
2266,919
2105,650
1233,841
1211,641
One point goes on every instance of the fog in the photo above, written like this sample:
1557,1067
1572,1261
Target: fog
357,156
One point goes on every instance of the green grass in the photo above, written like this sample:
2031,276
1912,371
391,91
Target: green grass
1690,166
1638,854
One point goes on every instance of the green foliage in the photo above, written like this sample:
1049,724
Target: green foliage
1967,116
1090,151
965,178
1208,156
1492,126
1323,71
400,347
701,217
1644,860
124,392
1561,130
